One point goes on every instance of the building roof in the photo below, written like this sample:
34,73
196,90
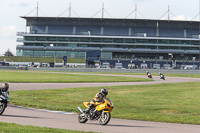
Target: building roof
110,22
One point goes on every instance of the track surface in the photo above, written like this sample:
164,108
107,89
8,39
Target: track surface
69,121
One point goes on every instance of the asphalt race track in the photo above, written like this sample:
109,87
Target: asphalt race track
69,121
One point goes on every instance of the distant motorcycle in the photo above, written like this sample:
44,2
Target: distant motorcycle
4,100
149,75
100,112
162,76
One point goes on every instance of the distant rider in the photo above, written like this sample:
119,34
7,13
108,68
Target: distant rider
161,75
148,74
4,88
99,97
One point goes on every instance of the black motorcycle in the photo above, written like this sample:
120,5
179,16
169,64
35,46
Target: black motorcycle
162,76
4,100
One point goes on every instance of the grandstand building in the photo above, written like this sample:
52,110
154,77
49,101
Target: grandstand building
135,43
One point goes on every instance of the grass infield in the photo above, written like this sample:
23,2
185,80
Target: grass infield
16,128
45,77
175,103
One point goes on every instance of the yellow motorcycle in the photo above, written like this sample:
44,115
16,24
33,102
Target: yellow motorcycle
100,111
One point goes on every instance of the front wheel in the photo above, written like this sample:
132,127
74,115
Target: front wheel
2,107
105,118
82,118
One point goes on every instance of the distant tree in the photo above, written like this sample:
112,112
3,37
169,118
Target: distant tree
8,53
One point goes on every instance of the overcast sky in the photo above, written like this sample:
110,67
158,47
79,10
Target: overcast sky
11,10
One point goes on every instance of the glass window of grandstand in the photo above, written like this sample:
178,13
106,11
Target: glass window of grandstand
118,40
174,42
152,41
61,53
194,48
184,42
38,53
19,52
29,38
51,38
39,44
151,47
40,38
50,53
96,39
140,47
163,41
76,54
85,39
107,55
163,47
83,45
110,46
184,48
141,41
72,45
95,45
64,39
74,39
195,42
60,44
81,54
27,53
107,40
130,40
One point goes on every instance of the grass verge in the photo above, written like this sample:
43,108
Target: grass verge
16,128
176,103
42,77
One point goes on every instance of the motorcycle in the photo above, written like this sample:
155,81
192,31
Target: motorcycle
149,75
100,111
4,100
162,76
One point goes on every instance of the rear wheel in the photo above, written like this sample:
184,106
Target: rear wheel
2,107
103,120
82,118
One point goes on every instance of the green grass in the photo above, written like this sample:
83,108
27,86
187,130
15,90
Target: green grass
44,77
40,59
176,103
16,128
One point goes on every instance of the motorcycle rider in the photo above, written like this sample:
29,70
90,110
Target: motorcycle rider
148,74
161,75
99,97
4,88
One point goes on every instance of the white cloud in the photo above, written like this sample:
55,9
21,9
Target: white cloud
179,17
8,31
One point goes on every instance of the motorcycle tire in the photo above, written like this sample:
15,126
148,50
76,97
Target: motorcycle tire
81,119
2,107
106,119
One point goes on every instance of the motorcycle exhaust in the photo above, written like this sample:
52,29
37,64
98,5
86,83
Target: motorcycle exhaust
80,109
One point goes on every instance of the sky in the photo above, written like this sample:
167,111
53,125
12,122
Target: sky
11,10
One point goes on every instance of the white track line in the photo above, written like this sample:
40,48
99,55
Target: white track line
43,110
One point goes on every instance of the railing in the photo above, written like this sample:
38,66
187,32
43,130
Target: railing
22,33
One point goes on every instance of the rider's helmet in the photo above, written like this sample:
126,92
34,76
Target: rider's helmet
104,91
5,86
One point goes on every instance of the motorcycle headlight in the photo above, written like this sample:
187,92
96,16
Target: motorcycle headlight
108,105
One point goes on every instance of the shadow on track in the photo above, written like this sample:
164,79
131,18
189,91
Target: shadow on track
118,125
